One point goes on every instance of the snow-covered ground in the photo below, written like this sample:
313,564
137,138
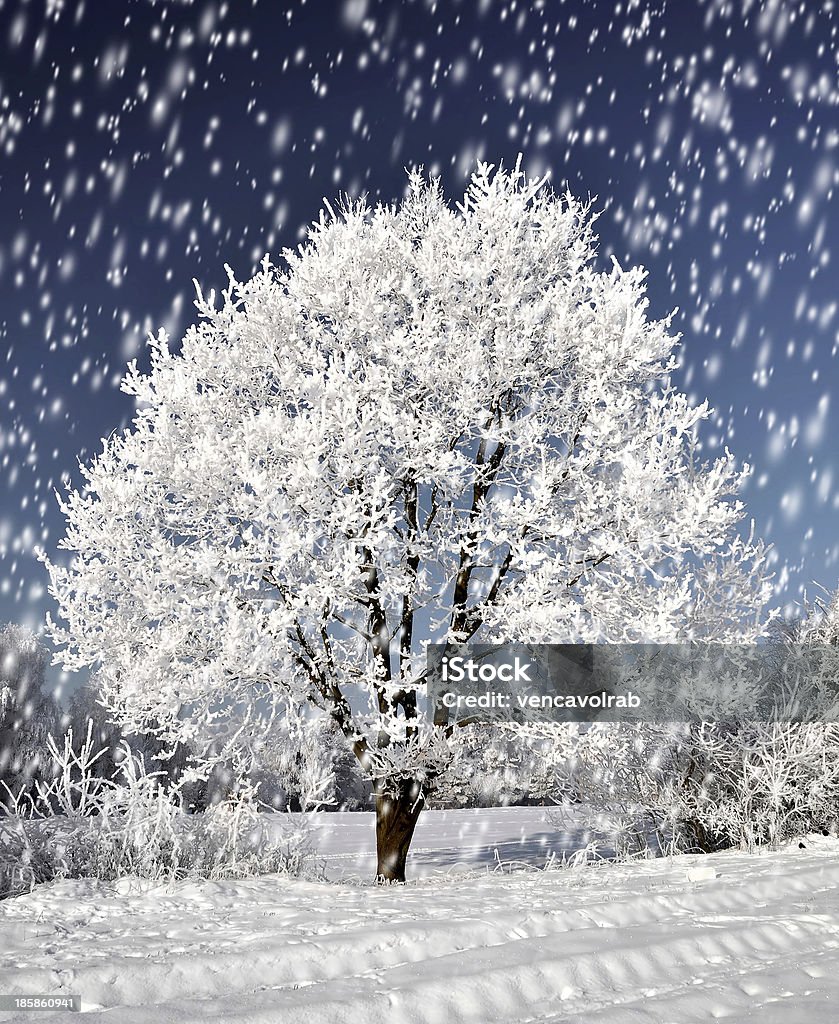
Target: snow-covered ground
656,941
446,842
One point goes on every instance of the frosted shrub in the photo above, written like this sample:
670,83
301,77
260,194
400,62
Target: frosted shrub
763,783
608,779
80,825
696,787
496,768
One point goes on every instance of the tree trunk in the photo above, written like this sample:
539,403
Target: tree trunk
397,811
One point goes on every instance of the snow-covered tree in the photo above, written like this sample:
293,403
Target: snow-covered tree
430,423
27,715
302,757
87,714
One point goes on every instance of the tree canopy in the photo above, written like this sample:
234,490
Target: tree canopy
428,423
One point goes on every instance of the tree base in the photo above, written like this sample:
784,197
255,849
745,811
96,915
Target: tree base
397,812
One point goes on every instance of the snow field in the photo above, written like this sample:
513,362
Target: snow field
637,943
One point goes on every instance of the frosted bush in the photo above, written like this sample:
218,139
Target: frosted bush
80,825
696,787
761,783
496,768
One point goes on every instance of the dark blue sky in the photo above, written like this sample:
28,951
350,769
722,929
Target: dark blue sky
146,143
